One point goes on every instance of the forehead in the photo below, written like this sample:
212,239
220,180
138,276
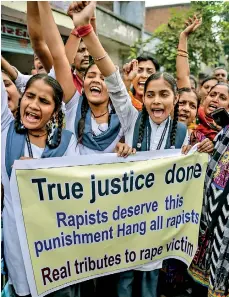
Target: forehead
146,64
94,68
220,71
189,97
82,46
221,89
210,82
5,76
158,85
40,87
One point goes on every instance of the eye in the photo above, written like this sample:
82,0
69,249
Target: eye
7,85
150,71
140,70
43,100
164,95
150,95
192,106
181,103
222,97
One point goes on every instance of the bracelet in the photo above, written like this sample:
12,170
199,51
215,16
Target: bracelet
75,33
179,54
84,30
180,50
100,58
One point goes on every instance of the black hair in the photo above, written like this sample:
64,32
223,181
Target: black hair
57,96
172,82
192,77
219,84
149,58
85,106
207,79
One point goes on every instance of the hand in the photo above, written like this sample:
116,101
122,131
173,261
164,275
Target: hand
185,149
130,70
192,25
81,12
123,150
206,146
25,158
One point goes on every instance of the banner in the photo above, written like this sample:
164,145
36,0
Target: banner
84,217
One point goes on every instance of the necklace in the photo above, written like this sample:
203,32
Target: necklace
96,117
38,135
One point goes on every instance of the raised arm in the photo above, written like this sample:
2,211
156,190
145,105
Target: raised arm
82,18
36,37
73,41
182,63
9,69
57,50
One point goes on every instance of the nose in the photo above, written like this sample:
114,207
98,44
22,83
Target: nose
86,53
144,74
34,104
157,100
186,107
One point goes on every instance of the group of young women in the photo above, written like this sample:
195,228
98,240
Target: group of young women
145,110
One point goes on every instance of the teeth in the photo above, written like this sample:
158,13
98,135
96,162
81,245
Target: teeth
142,83
95,89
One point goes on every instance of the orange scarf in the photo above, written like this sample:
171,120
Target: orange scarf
136,103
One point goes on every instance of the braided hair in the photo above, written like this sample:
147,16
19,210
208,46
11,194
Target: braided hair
141,128
57,97
168,78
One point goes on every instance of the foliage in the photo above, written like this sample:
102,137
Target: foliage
208,43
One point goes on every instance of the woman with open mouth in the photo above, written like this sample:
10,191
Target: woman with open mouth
90,116
135,74
37,133
188,99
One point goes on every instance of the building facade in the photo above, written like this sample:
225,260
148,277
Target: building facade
119,25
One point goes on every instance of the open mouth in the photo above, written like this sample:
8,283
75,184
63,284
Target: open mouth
183,117
96,91
32,117
141,84
157,112
212,107
85,62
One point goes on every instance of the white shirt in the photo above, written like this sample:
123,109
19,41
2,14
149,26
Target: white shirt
22,79
70,115
12,249
128,115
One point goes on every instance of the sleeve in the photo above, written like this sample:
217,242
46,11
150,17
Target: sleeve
70,112
121,100
52,73
21,80
6,114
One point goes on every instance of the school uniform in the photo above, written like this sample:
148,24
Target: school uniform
130,118
14,146
97,138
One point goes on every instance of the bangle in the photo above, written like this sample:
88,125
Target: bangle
84,30
100,58
180,50
179,54
75,33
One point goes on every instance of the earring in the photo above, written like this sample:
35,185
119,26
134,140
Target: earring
51,128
